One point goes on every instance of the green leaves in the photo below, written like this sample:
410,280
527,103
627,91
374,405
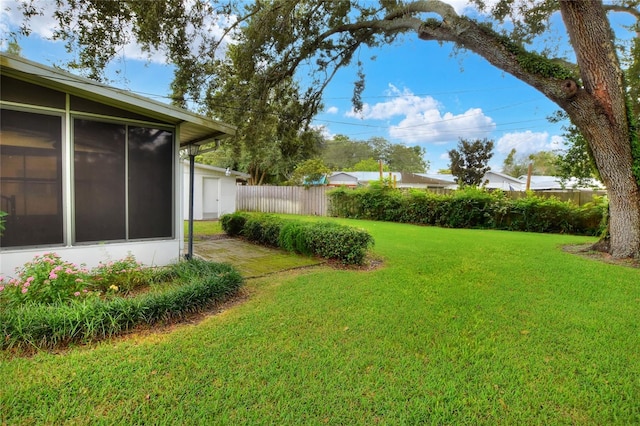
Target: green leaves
469,163
328,240
197,284
470,207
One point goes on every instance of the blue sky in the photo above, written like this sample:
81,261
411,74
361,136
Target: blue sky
417,93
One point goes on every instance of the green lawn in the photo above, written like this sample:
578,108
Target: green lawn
458,327
203,227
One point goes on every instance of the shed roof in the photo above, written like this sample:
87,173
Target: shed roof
194,128
220,170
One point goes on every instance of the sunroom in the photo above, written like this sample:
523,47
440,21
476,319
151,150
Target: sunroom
88,171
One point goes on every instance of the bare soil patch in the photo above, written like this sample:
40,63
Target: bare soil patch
587,251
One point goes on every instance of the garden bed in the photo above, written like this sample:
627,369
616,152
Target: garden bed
48,305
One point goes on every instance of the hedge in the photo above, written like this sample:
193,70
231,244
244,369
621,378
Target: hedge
470,208
325,239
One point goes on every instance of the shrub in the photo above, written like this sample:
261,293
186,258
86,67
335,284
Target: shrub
422,207
539,214
470,208
328,240
294,237
233,223
262,229
333,241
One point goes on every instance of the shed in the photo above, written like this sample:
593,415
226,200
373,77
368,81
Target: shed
88,171
214,190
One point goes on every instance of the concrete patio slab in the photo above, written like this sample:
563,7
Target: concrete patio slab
251,260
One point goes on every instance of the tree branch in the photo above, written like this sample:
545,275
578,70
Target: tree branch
624,9
544,74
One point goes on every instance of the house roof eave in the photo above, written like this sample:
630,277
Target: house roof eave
194,128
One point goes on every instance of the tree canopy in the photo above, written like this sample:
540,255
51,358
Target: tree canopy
342,153
280,38
542,163
470,161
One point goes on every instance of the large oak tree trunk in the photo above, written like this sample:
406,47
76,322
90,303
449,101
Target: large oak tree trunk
602,117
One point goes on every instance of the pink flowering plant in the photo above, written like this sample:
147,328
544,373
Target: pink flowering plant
46,279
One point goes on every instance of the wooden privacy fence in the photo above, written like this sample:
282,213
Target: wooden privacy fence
283,199
314,201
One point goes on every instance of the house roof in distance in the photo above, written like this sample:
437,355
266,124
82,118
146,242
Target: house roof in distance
194,128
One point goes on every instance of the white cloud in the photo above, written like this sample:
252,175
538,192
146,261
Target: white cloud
433,127
402,103
528,142
324,131
422,121
11,18
332,110
444,156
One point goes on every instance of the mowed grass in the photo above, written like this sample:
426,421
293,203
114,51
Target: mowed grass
202,228
457,327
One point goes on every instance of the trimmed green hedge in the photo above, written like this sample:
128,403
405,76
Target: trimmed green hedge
329,240
470,208
49,325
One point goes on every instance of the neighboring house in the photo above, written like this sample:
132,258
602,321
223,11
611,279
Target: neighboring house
354,179
343,179
491,180
496,180
214,190
435,180
554,183
90,172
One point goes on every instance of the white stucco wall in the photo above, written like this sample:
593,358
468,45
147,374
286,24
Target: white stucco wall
150,253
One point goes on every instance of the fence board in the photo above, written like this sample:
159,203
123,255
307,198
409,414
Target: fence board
313,201
282,199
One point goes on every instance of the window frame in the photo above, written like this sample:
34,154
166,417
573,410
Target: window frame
66,117
126,123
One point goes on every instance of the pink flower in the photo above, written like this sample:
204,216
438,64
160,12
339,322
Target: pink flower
24,290
69,271
30,279
79,280
27,284
76,294
57,268
53,276
1,287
